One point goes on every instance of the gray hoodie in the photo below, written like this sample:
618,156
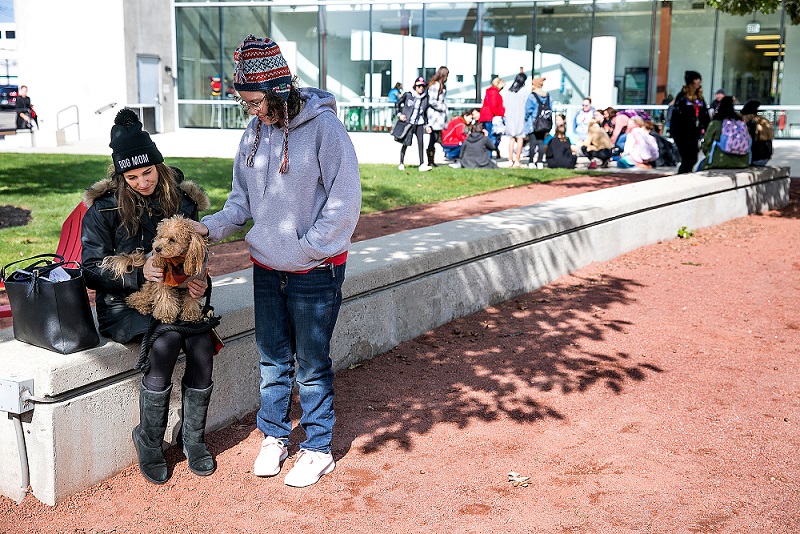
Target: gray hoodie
308,214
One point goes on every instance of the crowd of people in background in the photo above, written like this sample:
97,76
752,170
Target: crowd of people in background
703,135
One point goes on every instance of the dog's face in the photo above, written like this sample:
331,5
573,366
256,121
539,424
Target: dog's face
173,237
176,238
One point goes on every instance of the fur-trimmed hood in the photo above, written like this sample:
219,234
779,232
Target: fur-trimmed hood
103,187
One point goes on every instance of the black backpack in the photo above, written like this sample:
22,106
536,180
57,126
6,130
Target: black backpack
668,155
544,118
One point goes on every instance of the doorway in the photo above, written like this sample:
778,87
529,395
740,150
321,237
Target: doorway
148,82
751,65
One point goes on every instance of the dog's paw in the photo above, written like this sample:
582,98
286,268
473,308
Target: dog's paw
164,314
140,302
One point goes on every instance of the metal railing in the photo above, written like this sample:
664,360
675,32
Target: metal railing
76,123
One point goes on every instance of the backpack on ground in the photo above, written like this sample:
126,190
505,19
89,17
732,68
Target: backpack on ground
735,139
543,122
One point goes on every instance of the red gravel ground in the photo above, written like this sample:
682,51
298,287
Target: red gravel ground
657,392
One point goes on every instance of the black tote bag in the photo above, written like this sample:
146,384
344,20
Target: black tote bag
50,306
402,132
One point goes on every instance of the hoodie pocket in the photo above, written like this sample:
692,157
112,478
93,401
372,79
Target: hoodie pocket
278,248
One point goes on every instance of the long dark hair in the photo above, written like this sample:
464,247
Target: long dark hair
726,110
132,205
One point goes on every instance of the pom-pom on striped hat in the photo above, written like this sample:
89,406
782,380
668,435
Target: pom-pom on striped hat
260,66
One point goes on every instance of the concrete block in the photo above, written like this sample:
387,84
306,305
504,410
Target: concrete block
396,288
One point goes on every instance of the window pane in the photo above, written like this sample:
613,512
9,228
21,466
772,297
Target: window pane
295,30
397,38
564,31
347,54
630,22
790,85
450,35
690,44
747,66
508,42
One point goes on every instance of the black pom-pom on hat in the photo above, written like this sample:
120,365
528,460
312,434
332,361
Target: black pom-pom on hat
132,147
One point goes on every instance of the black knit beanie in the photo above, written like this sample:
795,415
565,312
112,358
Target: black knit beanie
691,75
132,147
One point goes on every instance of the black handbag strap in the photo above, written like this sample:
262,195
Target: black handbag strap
60,257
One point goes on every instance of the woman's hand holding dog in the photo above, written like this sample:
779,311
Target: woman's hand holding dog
197,288
152,273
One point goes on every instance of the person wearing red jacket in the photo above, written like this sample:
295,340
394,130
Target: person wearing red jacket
455,133
493,107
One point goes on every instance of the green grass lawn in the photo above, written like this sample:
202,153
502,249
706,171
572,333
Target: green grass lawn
51,185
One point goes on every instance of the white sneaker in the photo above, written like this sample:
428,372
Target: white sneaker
540,165
401,167
424,167
309,467
268,463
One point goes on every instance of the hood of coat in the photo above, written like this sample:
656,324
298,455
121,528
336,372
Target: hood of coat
316,101
475,137
103,187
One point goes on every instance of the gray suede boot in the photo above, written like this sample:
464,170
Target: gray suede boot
148,435
193,430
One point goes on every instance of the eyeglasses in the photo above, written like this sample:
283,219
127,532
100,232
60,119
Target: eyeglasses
247,106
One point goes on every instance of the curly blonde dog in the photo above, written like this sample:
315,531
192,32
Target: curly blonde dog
183,254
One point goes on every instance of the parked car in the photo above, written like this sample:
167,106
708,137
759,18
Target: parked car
8,96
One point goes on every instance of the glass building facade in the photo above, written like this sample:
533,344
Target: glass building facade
359,50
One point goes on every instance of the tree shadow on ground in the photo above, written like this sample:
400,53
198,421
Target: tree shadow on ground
791,210
503,362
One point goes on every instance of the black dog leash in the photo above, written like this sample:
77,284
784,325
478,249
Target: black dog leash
208,322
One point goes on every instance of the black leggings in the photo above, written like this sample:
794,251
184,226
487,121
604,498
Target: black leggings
604,154
417,132
536,141
164,355
688,151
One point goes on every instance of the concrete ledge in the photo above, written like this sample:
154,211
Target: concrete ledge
397,287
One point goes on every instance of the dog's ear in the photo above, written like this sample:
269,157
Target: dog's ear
122,264
195,255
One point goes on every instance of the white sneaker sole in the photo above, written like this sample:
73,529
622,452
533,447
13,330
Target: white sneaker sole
308,482
273,472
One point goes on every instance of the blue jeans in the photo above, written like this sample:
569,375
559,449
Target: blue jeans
294,317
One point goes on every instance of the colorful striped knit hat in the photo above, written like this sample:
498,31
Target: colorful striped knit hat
260,66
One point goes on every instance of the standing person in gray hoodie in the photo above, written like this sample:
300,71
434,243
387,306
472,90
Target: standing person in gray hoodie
296,176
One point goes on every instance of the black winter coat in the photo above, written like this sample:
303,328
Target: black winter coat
559,155
102,234
405,106
686,124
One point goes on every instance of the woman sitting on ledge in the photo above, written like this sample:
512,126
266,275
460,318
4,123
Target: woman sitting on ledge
716,157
